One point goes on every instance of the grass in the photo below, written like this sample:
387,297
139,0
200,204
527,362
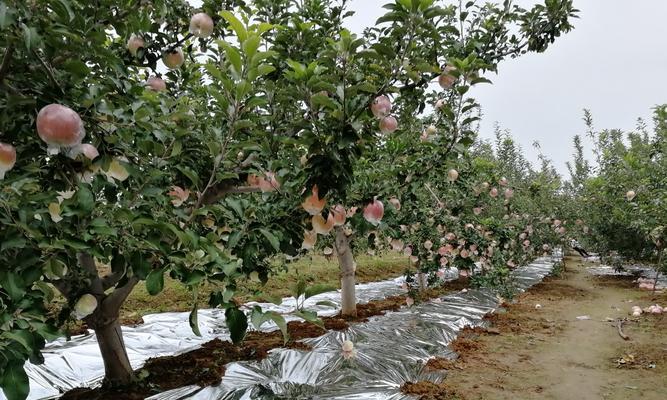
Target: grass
176,297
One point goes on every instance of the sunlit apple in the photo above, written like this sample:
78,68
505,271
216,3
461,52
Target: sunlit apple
7,158
374,211
201,25
381,106
135,43
313,204
60,127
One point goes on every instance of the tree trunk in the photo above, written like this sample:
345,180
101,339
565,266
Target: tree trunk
657,269
117,369
347,268
420,276
104,320
562,255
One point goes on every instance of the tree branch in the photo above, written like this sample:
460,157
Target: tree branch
63,287
115,300
173,46
49,71
87,262
435,196
111,279
218,192
6,59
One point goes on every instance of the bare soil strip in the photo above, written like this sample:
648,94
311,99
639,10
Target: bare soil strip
538,349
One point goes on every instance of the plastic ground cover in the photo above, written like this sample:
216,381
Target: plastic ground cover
390,349
646,272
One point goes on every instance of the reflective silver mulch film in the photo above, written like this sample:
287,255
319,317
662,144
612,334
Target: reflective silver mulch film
391,349
646,272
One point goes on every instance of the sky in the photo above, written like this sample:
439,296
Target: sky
614,63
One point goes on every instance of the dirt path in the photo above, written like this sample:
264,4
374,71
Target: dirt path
547,353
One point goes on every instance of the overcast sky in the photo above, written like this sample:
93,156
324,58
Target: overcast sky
614,62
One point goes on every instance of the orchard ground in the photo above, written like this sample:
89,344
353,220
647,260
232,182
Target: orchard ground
314,270
547,353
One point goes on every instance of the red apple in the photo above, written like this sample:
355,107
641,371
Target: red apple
59,127
134,43
7,158
381,106
173,59
201,25
374,211
388,124
156,83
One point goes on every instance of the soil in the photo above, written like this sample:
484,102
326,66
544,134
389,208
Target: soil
205,366
429,391
547,353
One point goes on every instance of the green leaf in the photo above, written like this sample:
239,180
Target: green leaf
282,324
388,17
318,289
324,100
85,198
299,288
14,382
140,266
275,243
234,238
189,173
155,282
14,286
406,3
54,268
194,277
299,69
258,317
233,56
424,4
73,243
311,317
235,204
265,27
250,46
235,24
21,336
14,243
237,323
385,50
63,9
327,303
30,36
194,324
77,67
5,16
265,69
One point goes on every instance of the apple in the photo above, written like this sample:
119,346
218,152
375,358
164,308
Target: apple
388,124
201,25
60,127
156,83
7,158
134,43
173,59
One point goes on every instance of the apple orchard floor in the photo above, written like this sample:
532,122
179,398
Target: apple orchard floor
547,353
414,334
